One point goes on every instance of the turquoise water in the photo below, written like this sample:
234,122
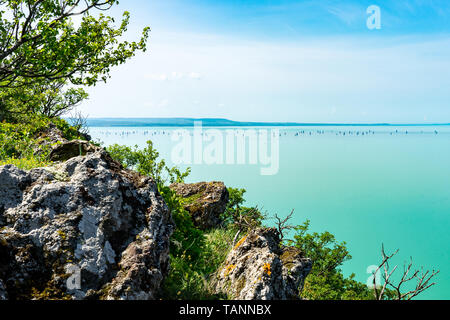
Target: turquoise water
390,185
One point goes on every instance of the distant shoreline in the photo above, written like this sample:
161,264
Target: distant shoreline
218,122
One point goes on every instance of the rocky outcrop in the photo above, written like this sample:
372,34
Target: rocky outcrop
61,149
205,201
69,149
82,229
257,268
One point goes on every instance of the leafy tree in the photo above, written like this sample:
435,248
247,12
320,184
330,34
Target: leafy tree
322,248
50,99
42,52
146,161
39,41
235,201
55,100
326,280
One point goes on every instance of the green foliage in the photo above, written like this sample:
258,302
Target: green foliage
146,161
236,198
39,41
189,278
25,163
21,144
43,52
326,280
321,248
335,287
241,217
187,238
68,131
48,99
123,154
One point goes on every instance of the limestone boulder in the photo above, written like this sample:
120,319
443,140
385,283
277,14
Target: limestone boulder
259,268
82,229
205,201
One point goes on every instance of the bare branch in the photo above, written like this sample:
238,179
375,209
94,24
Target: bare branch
422,280
282,224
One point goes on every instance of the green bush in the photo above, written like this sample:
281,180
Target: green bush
49,99
21,144
326,280
189,278
240,217
146,161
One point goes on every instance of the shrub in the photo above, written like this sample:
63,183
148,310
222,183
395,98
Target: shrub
21,144
240,217
189,278
326,280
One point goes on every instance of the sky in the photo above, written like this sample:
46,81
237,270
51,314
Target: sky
298,61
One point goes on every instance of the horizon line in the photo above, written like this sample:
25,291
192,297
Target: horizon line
228,122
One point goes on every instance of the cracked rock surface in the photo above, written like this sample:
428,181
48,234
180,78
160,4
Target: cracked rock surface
258,268
205,201
82,229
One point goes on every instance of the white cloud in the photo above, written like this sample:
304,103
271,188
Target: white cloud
195,75
175,75
320,79
349,14
157,76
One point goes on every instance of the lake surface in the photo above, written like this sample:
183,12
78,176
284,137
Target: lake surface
366,185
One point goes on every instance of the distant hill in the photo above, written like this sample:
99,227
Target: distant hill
214,122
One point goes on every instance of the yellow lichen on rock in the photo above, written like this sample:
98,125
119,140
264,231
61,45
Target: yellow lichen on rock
240,243
228,269
266,269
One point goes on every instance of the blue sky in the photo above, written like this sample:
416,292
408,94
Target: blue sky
305,61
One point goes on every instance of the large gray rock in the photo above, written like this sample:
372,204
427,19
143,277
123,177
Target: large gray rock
258,268
82,229
205,201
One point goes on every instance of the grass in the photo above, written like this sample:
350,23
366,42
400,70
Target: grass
189,279
25,163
